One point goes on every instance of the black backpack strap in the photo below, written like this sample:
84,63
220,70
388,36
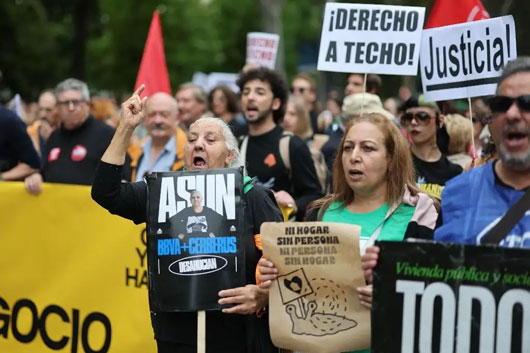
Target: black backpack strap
510,219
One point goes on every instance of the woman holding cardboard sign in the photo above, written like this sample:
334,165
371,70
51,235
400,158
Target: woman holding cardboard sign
210,145
374,187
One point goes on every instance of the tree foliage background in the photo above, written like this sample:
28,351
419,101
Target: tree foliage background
101,41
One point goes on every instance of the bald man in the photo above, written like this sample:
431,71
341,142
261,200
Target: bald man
47,122
163,149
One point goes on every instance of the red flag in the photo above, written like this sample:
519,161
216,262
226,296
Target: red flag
450,12
153,68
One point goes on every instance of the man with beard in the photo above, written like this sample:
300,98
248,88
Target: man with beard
475,202
263,98
163,149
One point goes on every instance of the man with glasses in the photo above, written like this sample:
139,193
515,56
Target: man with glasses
422,120
474,203
75,148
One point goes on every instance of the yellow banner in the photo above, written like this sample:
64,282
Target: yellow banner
72,276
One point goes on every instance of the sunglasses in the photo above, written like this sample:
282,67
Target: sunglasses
421,117
500,104
483,119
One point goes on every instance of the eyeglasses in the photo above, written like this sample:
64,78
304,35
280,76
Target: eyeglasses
300,90
74,102
422,118
500,104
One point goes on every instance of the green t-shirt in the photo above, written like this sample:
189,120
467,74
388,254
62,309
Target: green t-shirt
393,229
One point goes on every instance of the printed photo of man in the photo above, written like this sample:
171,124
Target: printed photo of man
198,220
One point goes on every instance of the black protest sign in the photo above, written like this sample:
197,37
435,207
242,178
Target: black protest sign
193,243
465,60
381,39
434,297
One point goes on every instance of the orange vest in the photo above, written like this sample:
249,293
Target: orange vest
136,154
33,132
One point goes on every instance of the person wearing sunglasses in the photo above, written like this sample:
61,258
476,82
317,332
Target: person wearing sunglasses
474,202
304,86
422,120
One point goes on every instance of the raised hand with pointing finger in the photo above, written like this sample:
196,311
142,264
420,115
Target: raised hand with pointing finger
133,110
132,114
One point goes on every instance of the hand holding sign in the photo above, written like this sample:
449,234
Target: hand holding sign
365,295
133,109
267,273
262,49
369,261
249,299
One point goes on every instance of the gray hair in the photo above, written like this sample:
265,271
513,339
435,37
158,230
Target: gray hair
198,92
73,84
520,64
230,139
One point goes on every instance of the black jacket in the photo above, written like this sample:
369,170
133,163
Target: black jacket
224,332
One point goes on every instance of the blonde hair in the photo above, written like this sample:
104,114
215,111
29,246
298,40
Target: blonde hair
459,131
400,171
302,127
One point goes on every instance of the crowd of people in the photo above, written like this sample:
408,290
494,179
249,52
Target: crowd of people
408,168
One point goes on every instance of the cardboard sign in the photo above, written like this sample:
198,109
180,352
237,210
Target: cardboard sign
193,227
434,297
378,39
465,60
262,49
313,303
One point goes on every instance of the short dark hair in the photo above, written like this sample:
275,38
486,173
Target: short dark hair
277,83
231,98
520,64
373,81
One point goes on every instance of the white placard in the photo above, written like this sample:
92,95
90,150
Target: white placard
262,49
200,79
379,39
465,60
223,78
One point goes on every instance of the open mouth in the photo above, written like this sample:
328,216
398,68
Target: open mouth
199,162
252,109
356,173
515,139
515,135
